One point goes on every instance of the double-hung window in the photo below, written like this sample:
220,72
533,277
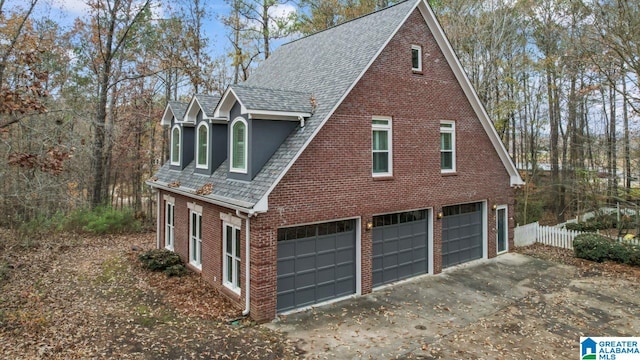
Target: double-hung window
381,146
195,238
231,260
175,145
239,150
447,146
202,147
416,58
169,215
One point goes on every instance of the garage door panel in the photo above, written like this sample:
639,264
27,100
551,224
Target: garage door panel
344,287
286,282
286,250
316,267
324,275
344,240
305,296
325,259
399,243
345,255
304,263
462,238
325,243
288,266
390,246
305,247
304,279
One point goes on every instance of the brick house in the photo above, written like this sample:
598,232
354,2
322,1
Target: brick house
350,159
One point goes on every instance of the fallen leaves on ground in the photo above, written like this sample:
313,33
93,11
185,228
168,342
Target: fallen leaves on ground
74,297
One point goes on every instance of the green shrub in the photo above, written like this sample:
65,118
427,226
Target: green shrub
620,252
591,247
102,220
163,260
176,270
599,248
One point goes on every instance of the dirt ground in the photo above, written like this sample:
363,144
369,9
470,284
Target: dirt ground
77,297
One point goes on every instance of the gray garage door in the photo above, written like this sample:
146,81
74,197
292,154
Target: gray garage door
399,246
461,234
316,263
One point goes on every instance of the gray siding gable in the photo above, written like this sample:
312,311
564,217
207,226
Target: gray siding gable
267,137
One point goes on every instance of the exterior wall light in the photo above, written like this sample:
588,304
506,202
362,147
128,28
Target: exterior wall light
439,215
369,225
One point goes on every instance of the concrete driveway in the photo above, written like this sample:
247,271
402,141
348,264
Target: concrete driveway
510,307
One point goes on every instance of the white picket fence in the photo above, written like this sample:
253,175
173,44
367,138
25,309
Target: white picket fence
549,235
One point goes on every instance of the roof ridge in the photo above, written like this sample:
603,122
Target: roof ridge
346,22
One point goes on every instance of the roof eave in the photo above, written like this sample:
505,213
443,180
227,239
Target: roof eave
277,115
223,109
167,116
212,199
188,117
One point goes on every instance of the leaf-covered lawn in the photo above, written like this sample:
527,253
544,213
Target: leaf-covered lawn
76,297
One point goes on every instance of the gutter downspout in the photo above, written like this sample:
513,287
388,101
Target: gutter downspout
247,265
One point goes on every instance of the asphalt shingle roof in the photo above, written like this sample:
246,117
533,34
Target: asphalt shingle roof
258,98
178,108
208,103
324,65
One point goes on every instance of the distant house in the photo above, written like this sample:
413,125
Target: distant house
350,159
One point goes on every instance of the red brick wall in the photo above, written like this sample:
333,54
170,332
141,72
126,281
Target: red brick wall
212,227
332,178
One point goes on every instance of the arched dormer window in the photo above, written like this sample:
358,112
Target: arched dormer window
202,146
239,143
175,145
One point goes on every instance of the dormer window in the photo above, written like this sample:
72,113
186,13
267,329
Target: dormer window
175,145
239,145
416,58
202,147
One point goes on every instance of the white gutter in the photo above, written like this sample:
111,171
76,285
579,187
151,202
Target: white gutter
158,220
247,262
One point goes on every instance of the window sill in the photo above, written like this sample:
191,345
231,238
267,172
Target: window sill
195,267
417,72
383,178
234,290
452,173
170,248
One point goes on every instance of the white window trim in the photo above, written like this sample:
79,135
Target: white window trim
389,129
452,131
206,161
233,286
506,228
419,48
246,147
198,253
179,145
169,228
